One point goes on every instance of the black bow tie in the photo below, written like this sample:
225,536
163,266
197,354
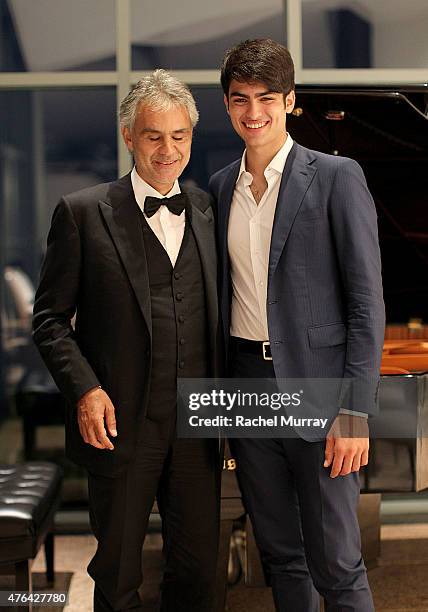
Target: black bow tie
176,204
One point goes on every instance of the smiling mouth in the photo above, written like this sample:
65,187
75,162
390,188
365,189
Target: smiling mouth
166,163
255,125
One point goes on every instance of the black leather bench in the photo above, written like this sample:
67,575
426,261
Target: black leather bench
29,497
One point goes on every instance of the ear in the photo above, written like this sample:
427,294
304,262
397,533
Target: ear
126,135
290,101
226,103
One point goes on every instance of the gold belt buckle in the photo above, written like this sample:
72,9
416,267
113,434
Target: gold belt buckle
265,345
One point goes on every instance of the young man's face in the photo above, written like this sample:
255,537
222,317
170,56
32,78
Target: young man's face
257,114
160,142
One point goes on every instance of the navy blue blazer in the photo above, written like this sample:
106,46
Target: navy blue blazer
325,307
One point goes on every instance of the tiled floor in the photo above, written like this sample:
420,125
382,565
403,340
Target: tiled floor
399,583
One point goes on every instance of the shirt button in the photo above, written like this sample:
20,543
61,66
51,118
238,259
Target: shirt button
261,283
181,365
181,318
177,275
179,296
182,341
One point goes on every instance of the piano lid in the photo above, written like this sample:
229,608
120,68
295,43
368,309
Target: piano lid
386,131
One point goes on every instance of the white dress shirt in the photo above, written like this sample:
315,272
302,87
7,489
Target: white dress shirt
249,235
168,228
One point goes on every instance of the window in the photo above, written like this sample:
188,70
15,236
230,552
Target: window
52,142
194,35
53,35
346,34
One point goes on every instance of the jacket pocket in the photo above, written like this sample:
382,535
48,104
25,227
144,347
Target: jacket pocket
332,334
309,214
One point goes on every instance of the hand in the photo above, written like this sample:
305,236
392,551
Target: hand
347,445
92,409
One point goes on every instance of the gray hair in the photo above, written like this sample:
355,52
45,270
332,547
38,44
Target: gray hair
161,91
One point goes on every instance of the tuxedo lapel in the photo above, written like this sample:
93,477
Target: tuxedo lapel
121,214
203,229
296,179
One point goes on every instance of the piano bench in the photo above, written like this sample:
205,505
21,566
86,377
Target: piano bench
29,498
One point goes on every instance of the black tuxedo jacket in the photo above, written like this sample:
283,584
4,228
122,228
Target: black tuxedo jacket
95,267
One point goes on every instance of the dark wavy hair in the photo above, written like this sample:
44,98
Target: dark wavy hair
261,59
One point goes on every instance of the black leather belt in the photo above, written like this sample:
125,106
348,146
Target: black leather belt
254,347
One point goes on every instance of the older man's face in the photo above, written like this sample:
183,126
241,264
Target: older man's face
160,142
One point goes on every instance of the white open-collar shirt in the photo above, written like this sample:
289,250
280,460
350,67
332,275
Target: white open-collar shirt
249,236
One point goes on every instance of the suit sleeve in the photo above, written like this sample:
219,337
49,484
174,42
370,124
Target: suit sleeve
55,306
354,223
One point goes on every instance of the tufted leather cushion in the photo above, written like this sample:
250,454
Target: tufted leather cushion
28,493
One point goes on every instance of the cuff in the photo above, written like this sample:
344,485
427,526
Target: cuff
353,413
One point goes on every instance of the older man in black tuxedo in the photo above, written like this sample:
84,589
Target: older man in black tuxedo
135,260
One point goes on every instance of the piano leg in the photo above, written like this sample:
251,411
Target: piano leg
369,520
254,574
226,526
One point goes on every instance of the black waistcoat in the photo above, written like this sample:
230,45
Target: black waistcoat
179,321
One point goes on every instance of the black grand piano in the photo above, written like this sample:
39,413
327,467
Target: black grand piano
386,130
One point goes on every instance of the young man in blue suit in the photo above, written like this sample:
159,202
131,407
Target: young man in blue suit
301,297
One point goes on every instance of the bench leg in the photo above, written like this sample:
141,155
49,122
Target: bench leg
49,557
29,438
23,581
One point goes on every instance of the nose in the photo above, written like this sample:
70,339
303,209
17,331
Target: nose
167,147
253,110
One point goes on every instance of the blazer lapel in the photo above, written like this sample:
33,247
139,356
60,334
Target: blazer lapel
121,214
224,202
296,179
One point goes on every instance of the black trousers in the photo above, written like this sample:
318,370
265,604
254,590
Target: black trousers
305,523
184,476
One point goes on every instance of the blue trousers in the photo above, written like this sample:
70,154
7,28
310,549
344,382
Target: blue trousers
305,523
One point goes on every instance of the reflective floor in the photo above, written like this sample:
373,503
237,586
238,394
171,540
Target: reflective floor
399,583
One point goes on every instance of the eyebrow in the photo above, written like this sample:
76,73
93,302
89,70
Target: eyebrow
257,95
154,131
